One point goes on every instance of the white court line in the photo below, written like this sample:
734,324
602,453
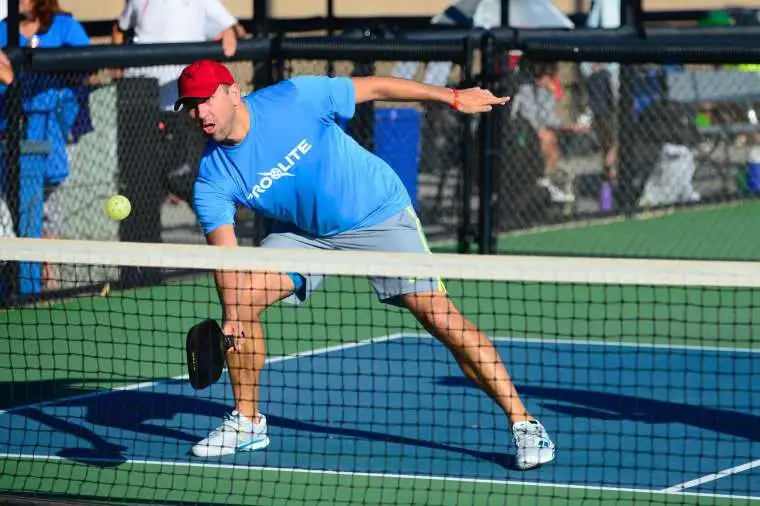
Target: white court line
627,344
148,384
599,342
712,477
354,474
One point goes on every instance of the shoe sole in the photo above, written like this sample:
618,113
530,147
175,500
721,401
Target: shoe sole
254,445
525,466
248,447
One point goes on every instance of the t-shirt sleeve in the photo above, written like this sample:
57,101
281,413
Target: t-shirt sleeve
75,34
128,17
332,96
212,207
218,18
3,33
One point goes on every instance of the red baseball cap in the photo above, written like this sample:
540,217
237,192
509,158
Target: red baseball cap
201,79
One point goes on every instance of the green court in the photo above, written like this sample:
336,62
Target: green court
89,344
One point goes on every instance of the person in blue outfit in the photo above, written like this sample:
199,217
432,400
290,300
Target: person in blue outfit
53,103
280,152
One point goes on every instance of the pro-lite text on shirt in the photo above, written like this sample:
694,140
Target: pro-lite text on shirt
282,169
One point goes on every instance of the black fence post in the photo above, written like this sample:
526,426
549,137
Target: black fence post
362,126
262,69
140,173
265,73
464,238
12,148
485,239
625,191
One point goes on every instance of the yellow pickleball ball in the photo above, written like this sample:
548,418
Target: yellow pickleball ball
118,207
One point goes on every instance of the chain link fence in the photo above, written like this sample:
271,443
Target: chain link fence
87,136
113,131
577,141
590,140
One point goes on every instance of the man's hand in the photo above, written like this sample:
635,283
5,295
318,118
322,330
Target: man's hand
476,100
229,42
235,329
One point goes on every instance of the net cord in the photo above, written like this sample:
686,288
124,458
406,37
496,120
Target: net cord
605,271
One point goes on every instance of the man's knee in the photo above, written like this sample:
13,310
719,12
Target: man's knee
435,311
268,288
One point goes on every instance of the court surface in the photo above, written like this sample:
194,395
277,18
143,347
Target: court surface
625,417
647,392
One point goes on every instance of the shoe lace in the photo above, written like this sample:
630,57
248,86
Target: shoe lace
529,430
230,422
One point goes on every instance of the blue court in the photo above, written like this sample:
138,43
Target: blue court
623,417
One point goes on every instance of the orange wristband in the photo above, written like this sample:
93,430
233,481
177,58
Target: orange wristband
454,104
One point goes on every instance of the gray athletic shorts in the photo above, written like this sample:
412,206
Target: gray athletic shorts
401,233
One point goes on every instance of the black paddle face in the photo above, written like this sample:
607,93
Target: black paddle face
205,353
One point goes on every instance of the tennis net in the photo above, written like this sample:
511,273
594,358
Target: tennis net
641,371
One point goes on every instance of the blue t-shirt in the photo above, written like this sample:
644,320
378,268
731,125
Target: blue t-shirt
297,166
64,30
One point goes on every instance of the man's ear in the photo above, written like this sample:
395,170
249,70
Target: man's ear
235,94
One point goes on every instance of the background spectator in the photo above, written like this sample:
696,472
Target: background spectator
536,103
55,106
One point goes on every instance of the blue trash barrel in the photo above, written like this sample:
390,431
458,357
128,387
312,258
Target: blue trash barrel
753,170
397,141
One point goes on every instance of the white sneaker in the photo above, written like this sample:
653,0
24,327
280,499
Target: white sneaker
533,444
557,195
236,434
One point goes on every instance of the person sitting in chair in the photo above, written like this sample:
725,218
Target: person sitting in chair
536,104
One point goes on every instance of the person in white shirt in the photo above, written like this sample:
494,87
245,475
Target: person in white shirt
166,21
175,21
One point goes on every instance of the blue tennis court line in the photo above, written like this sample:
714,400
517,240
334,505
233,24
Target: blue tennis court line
425,352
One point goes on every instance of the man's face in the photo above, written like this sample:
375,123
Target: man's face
216,114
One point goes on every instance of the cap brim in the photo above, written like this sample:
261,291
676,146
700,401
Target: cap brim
178,105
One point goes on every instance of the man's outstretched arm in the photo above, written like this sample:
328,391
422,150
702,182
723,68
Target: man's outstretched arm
471,100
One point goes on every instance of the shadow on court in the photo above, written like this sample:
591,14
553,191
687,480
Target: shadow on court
141,412
20,393
609,406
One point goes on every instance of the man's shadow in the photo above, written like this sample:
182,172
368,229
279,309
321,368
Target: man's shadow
611,406
135,410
